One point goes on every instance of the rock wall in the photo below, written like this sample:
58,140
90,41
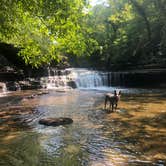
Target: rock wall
143,78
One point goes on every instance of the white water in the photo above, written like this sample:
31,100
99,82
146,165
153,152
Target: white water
90,79
3,89
83,79
54,82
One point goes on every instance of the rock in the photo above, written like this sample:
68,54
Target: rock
42,93
31,96
72,84
28,85
61,90
12,85
55,121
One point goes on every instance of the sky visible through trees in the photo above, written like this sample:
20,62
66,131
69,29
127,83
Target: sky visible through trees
96,2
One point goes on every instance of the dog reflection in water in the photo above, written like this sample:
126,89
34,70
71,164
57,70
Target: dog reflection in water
113,100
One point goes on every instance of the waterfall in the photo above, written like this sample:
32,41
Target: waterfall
90,79
57,79
75,77
3,89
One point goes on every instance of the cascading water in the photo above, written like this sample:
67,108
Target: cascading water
3,89
81,78
56,79
90,79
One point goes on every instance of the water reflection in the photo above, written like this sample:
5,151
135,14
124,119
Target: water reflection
133,135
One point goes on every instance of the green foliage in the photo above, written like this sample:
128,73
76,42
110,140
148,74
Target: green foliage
121,33
132,32
44,30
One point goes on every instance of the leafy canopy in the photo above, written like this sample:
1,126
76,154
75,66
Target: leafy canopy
131,32
45,30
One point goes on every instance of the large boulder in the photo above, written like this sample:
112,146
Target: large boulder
55,121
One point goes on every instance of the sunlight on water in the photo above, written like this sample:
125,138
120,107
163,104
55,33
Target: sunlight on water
133,135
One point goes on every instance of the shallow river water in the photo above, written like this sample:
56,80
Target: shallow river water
133,135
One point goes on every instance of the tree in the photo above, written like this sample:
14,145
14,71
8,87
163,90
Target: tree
44,30
132,34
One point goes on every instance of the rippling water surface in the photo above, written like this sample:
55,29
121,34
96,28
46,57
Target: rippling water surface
133,135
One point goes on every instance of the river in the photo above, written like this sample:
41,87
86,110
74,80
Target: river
133,135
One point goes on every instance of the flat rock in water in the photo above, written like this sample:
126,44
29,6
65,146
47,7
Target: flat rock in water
55,121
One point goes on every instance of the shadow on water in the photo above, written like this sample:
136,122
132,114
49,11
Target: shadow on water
134,134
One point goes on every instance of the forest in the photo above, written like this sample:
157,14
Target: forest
116,35
82,82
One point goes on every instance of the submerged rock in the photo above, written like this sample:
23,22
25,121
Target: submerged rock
55,121
16,118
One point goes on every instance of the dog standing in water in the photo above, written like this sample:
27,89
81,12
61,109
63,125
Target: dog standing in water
113,99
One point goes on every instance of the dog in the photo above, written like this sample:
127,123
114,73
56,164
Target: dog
113,99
